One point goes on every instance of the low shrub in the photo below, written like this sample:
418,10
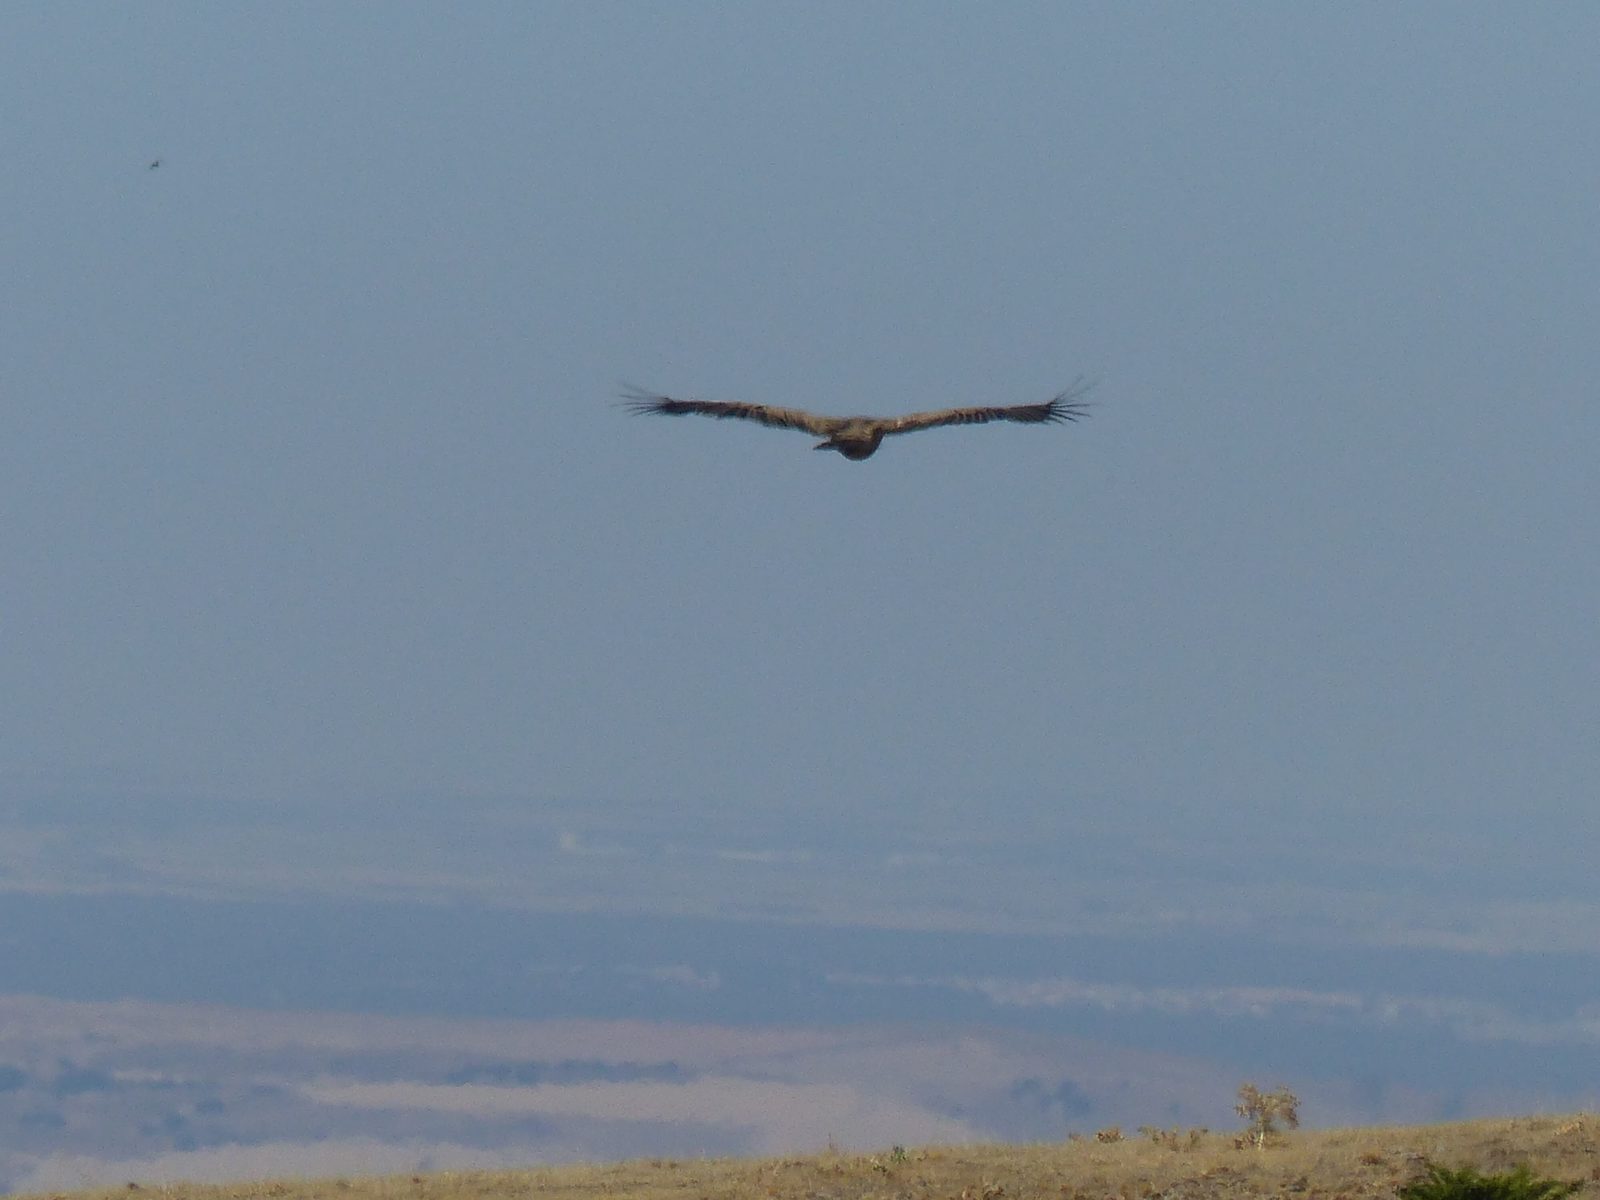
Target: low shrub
1467,1184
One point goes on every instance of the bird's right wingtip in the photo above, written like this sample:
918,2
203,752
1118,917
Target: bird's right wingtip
1069,404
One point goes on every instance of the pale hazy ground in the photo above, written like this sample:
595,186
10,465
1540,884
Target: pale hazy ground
1343,1164
955,868
953,979
110,1092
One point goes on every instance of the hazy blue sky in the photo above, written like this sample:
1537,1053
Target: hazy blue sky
312,484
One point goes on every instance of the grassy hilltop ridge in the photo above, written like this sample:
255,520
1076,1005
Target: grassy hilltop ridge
1340,1164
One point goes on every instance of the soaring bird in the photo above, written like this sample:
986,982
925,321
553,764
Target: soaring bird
857,437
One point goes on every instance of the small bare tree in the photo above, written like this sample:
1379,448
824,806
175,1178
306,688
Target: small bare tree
1263,1111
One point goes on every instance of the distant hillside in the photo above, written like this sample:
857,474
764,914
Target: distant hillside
1340,1164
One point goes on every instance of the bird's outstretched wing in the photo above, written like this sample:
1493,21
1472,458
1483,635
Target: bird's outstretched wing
640,401
1067,406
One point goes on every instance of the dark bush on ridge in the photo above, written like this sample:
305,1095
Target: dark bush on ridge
1467,1184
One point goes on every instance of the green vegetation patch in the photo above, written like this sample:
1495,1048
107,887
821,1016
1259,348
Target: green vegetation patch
1467,1184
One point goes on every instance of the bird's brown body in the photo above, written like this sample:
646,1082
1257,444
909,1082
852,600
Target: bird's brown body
859,437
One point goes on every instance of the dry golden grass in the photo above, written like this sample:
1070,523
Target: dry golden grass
1346,1164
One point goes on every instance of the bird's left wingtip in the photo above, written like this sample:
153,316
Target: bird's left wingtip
640,400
